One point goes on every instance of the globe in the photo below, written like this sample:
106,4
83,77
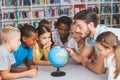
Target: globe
58,56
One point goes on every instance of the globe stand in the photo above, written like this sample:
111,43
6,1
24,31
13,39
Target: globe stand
58,73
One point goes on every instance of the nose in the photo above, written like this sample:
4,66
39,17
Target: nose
78,29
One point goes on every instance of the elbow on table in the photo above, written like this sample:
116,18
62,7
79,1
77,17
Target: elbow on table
99,71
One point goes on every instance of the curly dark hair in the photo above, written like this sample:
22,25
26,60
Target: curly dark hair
65,20
26,30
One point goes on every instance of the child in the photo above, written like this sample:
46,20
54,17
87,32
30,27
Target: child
75,42
10,38
61,35
109,46
44,22
24,52
42,47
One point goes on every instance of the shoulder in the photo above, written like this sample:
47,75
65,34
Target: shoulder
71,40
89,41
101,28
3,51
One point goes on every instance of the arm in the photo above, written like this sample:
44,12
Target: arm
39,62
42,62
97,67
85,52
22,69
17,70
7,75
46,49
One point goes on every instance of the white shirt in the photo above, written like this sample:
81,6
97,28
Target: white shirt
110,65
73,44
56,39
6,58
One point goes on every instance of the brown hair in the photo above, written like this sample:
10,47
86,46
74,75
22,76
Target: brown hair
107,40
87,16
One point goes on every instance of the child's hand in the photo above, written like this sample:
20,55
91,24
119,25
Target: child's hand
48,62
32,73
70,52
33,67
47,45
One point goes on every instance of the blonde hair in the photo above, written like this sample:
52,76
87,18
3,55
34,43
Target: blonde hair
107,40
8,32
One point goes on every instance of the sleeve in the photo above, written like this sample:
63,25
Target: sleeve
70,43
30,55
89,42
4,62
105,63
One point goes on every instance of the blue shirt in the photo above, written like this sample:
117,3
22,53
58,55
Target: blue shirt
21,54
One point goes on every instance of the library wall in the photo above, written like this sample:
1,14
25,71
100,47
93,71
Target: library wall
19,12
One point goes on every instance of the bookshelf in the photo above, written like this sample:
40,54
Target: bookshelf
108,10
15,12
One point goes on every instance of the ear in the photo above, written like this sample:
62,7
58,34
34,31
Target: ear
110,49
9,40
91,25
23,38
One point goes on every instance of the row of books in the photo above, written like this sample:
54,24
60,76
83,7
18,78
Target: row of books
107,9
13,2
116,19
58,11
35,24
52,12
108,0
82,1
0,16
0,27
93,8
21,15
106,20
0,3
51,1
33,2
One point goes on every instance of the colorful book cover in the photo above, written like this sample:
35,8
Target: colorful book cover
78,8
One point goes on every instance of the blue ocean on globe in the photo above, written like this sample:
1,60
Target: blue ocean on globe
58,56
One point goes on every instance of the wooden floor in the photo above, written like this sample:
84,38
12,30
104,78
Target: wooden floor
73,72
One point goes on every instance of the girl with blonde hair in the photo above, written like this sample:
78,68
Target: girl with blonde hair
109,46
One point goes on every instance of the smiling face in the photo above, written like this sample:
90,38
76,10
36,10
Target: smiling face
31,40
82,28
75,34
45,38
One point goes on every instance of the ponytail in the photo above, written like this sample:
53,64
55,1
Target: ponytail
117,61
